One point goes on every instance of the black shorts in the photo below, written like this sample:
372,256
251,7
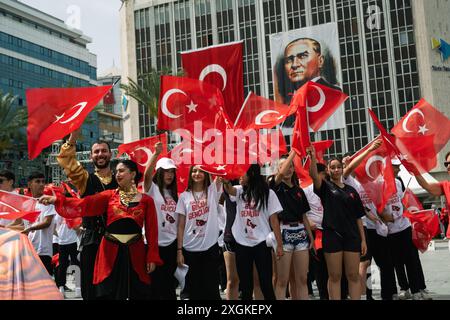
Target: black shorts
334,242
229,246
368,255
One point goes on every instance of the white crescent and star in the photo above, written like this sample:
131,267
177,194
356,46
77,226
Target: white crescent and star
81,106
321,102
422,129
164,100
413,208
371,161
214,68
262,114
148,152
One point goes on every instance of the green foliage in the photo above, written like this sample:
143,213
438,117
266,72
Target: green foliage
12,120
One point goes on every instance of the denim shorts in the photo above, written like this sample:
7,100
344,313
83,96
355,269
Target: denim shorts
294,238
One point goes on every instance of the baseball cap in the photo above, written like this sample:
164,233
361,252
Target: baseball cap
395,162
165,163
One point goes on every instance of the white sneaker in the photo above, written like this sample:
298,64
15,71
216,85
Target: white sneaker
425,294
404,295
417,296
77,292
363,297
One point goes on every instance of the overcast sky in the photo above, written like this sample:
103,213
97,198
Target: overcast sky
98,19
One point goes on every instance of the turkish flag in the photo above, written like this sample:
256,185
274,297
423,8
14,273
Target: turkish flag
321,102
391,145
425,225
108,99
14,206
261,113
300,135
376,175
411,202
55,112
141,151
421,134
321,147
222,67
184,101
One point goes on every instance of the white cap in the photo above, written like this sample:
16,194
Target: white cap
165,163
395,162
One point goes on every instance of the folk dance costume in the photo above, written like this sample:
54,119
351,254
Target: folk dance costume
120,266
93,226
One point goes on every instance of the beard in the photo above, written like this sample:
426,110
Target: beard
102,166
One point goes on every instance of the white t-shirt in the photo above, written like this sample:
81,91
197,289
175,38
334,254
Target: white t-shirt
42,240
167,217
202,226
315,215
65,234
251,226
395,208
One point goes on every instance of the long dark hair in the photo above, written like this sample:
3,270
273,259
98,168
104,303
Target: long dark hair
206,182
158,179
257,188
132,166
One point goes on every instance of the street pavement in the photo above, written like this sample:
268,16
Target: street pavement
435,263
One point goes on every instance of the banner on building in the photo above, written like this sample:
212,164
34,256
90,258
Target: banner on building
302,55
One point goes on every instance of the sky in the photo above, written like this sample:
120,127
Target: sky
98,19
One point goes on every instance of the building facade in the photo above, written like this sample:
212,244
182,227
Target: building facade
40,51
386,56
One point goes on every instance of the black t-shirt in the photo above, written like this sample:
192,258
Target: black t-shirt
292,199
341,208
230,217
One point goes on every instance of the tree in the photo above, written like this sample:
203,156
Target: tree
13,120
146,90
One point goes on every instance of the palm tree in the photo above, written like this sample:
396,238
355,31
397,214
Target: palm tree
12,120
146,90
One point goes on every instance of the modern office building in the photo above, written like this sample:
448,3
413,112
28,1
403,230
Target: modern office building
39,50
110,109
386,55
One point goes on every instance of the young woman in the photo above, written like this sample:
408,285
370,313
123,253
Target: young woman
162,187
343,233
295,230
123,263
377,242
198,232
256,204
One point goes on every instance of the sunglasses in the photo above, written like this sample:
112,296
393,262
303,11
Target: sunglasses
446,163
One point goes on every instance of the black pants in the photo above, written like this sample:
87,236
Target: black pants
381,253
404,253
87,263
47,261
66,251
203,275
262,257
163,281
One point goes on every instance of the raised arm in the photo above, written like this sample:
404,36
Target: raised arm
284,168
313,168
72,167
228,188
434,188
148,175
357,160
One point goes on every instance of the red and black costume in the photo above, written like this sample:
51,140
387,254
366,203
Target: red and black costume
120,266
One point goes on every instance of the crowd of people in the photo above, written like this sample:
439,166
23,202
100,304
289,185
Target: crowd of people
257,238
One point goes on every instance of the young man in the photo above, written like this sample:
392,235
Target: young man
40,232
88,184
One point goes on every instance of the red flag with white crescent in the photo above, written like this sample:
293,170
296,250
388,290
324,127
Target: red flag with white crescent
421,134
425,225
14,206
222,67
376,175
55,112
411,202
